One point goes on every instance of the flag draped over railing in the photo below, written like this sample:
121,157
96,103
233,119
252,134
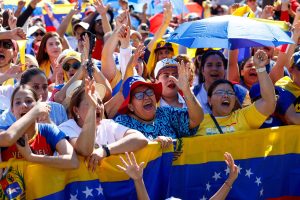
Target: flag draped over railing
268,159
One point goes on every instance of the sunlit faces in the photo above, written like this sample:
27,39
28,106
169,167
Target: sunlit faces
169,87
164,53
74,65
40,84
222,100
213,69
53,47
78,31
22,103
249,73
144,108
6,52
82,110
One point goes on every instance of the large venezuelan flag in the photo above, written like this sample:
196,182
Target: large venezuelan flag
108,182
268,159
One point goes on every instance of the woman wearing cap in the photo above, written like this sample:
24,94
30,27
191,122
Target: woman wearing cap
140,112
221,98
31,140
91,134
163,73
212,68
49,50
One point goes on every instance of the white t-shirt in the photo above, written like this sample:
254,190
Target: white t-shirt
108,131
203,100
5,95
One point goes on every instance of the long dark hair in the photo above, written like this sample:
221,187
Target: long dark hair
42,55
203,61
75,101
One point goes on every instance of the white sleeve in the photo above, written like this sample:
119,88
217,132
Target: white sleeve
109,131
125,55
70,128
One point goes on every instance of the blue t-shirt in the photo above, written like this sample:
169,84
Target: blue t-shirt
43,143
169,121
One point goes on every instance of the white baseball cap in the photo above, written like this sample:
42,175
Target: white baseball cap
167,62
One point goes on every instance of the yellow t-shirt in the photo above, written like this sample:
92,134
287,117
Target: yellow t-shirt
288,84
240,120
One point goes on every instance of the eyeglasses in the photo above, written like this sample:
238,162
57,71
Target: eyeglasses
75,65
6,44
141,95
224,92
38,33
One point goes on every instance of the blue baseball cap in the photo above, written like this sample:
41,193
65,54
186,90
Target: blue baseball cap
133,82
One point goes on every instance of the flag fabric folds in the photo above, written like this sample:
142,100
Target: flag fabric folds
268,160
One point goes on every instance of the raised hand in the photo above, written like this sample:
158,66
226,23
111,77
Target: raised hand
75,10
165,142
233,7
168,9
234,172
21,3
86,47
14,72
41,110
131,168
267,12
183,76
89,88
12,20
18,34
122,19
260,59
100,7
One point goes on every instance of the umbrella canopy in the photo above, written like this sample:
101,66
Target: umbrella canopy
230,32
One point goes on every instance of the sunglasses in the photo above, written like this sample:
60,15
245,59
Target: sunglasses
75,65
141,95
6,44
38,33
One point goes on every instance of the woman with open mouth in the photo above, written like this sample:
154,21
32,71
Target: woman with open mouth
222,98
90,133
139,110
31,140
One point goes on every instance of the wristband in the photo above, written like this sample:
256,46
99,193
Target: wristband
260,70
106,149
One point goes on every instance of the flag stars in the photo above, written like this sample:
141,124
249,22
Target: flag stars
258,181
203,198
88,192
239,169
227,170
208,186
100,190
216,176
261,192
73,197
248,172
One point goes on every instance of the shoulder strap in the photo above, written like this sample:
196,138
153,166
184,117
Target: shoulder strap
216,123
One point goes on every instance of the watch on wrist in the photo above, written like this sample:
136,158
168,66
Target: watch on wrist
106,149
262,69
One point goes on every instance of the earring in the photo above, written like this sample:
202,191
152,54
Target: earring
78,117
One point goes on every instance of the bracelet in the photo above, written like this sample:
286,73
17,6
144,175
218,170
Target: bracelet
260,70
106,149
228,185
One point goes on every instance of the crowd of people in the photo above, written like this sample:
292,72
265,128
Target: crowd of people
100,84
